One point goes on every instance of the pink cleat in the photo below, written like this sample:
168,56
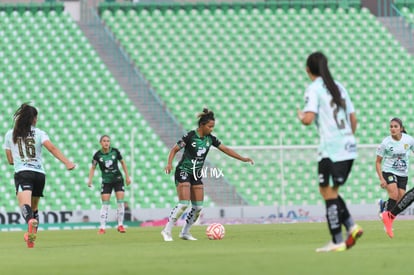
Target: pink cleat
387,219
30,235
354,234
121,229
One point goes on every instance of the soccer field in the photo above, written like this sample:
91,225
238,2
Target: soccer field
246,249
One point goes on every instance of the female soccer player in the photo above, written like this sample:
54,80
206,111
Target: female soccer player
329,105
392,163
23,145
189,185
107,158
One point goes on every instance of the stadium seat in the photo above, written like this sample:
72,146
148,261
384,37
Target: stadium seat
62,75
224,59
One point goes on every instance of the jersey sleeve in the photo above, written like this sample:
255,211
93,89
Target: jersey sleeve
381,149
95,159
8,140
118,154
184,140
43,136
311,100
215,141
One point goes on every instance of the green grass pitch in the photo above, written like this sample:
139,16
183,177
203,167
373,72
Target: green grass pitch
246,249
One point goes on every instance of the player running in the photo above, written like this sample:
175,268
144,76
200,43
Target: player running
329,105
23,145
392,163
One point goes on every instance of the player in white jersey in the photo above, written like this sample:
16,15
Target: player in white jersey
392,163
328,104
23,146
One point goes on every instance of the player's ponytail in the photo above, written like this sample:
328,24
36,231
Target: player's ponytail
23,121
318,65
205,116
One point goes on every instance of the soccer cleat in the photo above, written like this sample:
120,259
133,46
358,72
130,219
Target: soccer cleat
26,239
30,235
167,236
121,229
332,247
187,237
387,219
101,231
354,234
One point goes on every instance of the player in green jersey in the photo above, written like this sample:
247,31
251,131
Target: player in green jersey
107,158
328,104
188,181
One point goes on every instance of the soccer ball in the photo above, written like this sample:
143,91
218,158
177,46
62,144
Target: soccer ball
215,231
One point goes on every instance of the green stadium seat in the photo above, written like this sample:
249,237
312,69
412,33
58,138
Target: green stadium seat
65,78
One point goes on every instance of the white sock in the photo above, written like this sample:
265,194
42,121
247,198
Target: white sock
192,217
104,214
175,214
120,212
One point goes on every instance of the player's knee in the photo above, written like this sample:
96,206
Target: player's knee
393,194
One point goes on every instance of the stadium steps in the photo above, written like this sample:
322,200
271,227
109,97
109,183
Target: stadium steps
153,110
400,30
132,83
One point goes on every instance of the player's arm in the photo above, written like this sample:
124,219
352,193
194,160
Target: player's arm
171,156
58,154
234,154
124,167
378,168
9,156
91,174
354,122
306,118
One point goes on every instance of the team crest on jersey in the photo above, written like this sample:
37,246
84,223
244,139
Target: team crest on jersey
201,151
108,163
406,146
183,175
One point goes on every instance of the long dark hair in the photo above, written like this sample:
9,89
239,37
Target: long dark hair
23,121
318,65
399,121
205,116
